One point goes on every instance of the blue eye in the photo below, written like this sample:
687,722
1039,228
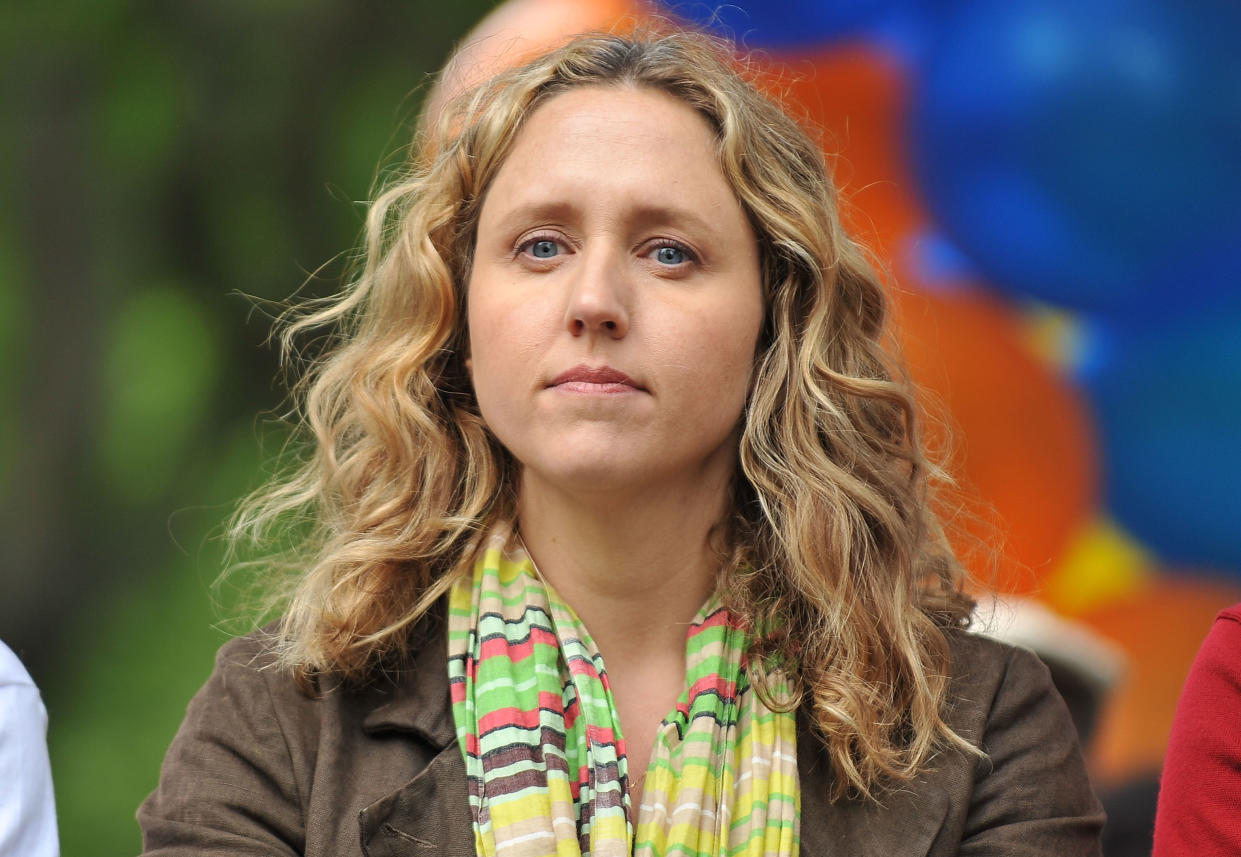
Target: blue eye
544,249
671,255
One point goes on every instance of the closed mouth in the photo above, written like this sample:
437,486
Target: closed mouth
603,378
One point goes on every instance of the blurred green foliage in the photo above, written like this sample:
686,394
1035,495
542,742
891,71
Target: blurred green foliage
161,161
160,369
12,345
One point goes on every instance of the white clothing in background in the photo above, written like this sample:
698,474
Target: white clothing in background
27,806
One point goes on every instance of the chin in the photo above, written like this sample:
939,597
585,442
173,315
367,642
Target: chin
613,473
600,473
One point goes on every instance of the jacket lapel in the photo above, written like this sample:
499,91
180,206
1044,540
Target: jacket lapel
418,700
429,815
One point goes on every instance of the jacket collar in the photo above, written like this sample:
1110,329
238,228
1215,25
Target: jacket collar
417,698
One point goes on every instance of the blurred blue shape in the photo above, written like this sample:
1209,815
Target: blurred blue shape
939,264
787,23
1168,401
1083,152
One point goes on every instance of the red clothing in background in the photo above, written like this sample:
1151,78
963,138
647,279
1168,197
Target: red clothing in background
1200,790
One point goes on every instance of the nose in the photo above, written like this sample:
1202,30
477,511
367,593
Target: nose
598,302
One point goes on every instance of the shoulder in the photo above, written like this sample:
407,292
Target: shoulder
22,705
977,657
251,658
986,677
12,672
236,736
1230,614
1223,641
1029,783
303,761
249,697
1031,780
1214,678
234,779
1218,662
1026,791
248,673
252,690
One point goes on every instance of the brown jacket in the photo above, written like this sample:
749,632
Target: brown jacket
258,768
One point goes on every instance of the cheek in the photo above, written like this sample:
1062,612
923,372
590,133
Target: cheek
716,366
729,344
487,369
481,343
502,358
742,353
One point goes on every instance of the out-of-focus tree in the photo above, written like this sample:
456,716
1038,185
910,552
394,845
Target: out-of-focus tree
158,162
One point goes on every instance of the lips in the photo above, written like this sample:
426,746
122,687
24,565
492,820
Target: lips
595,379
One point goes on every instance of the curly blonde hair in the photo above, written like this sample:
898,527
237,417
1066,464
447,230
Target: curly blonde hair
831,541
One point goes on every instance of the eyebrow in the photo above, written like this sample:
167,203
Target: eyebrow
648,214
642,215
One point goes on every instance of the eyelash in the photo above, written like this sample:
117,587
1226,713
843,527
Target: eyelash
523,246
529,241
660,244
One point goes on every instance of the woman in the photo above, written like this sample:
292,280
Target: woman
625,536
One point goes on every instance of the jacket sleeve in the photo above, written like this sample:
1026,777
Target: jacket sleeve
1031,794
228,782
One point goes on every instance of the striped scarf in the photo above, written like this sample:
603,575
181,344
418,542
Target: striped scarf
544,754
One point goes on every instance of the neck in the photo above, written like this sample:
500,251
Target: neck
636,568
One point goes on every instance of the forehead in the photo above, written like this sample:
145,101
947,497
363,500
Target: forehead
632,145
617,110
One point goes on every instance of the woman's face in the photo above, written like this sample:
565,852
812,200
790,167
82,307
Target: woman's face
615,298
